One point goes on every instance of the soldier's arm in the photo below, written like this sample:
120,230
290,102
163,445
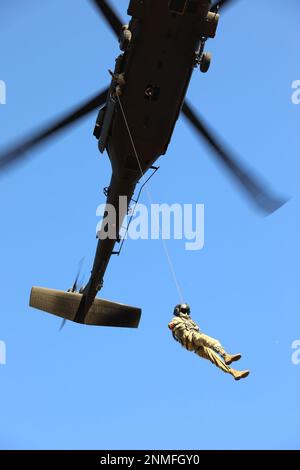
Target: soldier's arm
174,323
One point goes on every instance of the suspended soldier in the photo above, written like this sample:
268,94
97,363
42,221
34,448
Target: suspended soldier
188,334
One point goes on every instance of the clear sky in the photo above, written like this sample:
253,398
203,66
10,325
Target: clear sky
109,388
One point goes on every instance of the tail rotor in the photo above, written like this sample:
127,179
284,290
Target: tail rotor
74,287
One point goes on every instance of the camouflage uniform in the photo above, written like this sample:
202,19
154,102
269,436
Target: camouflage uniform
188,334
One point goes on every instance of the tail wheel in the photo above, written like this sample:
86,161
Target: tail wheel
205,62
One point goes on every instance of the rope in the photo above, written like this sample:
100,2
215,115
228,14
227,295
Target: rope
166,250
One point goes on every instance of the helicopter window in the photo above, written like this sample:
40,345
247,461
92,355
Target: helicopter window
178,6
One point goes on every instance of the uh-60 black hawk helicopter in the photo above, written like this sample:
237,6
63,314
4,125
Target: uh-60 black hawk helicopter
162,44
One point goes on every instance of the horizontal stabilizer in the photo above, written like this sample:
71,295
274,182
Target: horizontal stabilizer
102,312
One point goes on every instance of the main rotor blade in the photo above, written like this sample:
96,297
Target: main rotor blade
247,180
63,323
220,4
13,155
110,15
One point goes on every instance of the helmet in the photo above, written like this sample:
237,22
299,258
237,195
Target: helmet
182,308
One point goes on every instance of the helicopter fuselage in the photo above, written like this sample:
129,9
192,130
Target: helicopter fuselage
162,44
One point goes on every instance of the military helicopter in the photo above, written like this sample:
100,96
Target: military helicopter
160,47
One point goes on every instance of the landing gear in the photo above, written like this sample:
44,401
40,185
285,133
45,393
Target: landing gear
125,38
202,59
205,62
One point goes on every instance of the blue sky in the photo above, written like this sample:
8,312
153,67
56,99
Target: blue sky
108,388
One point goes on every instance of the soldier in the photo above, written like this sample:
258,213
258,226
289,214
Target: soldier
188,334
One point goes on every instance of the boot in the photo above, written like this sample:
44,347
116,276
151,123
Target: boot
229,358
239,374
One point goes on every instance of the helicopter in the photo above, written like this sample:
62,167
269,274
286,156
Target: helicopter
161,46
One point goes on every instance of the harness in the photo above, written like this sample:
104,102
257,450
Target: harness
190,327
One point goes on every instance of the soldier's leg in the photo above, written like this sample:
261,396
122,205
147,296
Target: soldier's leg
208,342
213,357
217,347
